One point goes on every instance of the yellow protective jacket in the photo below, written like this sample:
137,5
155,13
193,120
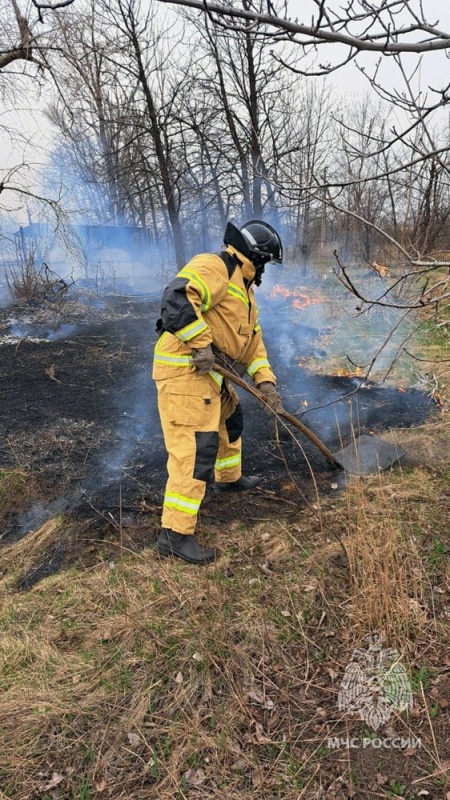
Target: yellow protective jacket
211,302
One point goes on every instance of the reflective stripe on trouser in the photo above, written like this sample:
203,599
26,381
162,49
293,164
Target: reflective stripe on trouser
193,418
228,462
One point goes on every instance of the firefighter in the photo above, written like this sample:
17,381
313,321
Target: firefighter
208,312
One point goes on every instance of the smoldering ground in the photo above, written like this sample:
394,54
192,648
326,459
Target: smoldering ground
79,409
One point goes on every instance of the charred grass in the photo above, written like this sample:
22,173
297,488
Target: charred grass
129,676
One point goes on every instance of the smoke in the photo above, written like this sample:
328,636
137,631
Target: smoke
321,346
39,513
133,434
131,464
63,332
26,328
318,310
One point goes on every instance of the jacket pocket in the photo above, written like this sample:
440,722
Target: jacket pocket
191,407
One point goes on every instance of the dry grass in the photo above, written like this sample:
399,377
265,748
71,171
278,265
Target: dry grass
17,488
136,674
29,282
426,446
20,556
147,678
387,576
391,517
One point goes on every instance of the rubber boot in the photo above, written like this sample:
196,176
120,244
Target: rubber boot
185,547
241,485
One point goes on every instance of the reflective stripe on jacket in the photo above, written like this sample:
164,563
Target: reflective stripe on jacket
204,305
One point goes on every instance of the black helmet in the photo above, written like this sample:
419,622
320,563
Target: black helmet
263,241
256,240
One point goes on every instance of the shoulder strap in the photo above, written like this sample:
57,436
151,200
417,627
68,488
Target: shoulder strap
230,261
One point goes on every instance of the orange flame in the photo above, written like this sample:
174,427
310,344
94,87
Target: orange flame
438,398
344,373
300,299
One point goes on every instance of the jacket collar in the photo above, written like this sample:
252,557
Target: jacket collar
248,270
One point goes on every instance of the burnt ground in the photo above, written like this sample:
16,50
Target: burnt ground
79,416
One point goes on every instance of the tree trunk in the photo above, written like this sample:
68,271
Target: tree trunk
163,161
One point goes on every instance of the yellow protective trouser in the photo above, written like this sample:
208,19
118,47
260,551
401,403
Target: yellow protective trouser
202,432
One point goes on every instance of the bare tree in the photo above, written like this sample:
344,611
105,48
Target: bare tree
394,26
114,73
24,53
19,40
303,156
86,113
249,93
143,52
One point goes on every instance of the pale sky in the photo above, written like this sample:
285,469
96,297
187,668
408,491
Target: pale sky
27,137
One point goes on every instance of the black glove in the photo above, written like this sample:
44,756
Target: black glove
222,360
271,396
203,359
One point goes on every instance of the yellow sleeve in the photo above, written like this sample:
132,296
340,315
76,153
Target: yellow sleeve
197,287
258,366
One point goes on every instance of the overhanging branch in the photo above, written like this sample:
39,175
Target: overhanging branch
387,42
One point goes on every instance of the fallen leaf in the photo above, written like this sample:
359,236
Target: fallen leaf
273,721
50,372
238,765
195,777
417,609
382,270
56,779
256,696
179,678
144,506
257,778
259,736
207,694
133,739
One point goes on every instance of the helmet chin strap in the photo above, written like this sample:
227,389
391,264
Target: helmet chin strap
259,271
259,261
